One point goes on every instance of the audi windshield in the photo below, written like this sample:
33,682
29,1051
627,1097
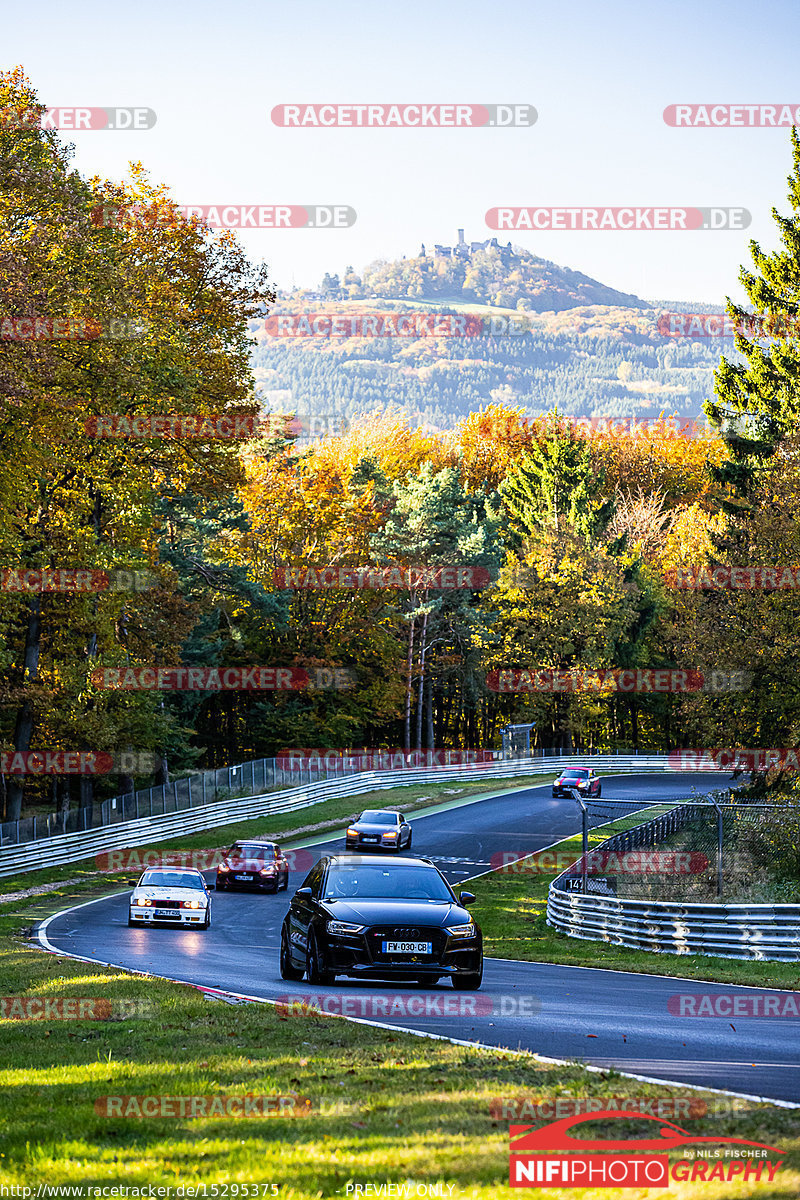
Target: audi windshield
375,882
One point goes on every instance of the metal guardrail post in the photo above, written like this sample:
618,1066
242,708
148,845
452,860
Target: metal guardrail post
585,836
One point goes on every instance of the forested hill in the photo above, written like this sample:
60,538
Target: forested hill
502,276
586,348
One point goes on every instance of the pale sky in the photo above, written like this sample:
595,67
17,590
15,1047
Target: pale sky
599,76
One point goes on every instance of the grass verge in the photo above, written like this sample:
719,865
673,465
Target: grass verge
388,1107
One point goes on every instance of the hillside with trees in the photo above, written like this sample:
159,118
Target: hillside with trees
578,344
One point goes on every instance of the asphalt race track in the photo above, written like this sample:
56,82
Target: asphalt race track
606,1018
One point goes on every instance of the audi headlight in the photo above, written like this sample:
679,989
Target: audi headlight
462,931
390,835
223,867
352,833
343,927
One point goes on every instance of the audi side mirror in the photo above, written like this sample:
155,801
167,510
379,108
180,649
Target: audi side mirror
304,891
466,898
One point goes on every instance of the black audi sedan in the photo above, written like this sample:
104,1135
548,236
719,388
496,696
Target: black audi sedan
367,918
582,778
379,828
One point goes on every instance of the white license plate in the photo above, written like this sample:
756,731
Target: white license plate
407,948
242,877
167,912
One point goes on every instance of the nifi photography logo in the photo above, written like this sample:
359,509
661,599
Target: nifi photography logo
553,1157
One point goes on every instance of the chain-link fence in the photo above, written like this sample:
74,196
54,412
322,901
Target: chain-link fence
721,847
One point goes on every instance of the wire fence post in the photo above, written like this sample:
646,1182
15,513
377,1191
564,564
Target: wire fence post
585,838
720,841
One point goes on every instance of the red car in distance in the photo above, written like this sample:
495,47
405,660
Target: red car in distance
253,866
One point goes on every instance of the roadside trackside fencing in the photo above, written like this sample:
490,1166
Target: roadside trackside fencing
224,783
73,847
579,905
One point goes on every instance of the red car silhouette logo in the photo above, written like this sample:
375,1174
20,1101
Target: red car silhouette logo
527,1139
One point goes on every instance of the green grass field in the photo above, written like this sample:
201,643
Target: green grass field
387,1107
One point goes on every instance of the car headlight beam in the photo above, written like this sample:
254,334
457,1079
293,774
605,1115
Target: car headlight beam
343,927
461,931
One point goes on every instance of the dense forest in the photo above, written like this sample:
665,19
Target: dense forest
515,546
588,362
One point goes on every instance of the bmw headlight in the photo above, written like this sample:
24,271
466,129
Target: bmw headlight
343,927
461,931
143,903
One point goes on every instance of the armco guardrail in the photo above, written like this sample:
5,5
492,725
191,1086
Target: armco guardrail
750,931
74,847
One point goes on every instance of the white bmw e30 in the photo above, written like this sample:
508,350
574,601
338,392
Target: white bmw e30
171,896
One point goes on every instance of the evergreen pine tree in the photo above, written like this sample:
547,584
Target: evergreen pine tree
758,400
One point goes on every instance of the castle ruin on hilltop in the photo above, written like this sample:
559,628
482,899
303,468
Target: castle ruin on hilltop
464,249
